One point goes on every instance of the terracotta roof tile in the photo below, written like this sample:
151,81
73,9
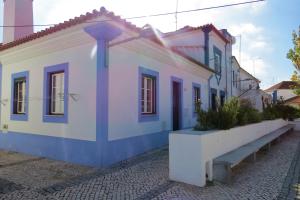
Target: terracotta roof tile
89,16
70,23
293,100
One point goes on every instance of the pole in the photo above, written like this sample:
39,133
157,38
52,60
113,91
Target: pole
176,14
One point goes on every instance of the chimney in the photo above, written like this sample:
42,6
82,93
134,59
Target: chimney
17,13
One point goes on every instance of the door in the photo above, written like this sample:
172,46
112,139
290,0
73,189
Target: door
176,105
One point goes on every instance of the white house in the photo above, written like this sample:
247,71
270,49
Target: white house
96,92
246,86
213,47
282,90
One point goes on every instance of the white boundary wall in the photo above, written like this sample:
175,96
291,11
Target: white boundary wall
191,152
296,122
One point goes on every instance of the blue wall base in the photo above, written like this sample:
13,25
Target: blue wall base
125,148
70,150
81,151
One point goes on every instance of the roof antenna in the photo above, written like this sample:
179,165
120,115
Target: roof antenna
176,13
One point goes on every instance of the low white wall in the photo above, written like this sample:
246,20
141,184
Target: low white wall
191,152
296,122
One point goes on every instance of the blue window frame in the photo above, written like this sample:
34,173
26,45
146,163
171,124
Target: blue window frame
196,97
217,60
55,103
19,96
148,94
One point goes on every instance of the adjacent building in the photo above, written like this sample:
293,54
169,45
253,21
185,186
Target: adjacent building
283,91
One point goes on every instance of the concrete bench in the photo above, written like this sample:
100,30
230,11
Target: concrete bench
222,165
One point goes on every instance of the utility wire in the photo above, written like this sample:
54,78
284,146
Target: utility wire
153,15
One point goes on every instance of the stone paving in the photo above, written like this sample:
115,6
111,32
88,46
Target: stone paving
275,175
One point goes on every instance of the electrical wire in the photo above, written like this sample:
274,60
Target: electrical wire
147,16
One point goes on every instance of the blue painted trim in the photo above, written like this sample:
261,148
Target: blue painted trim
129,147
70,150
275,96
0,91
206,46
46,99
151,117
195,85
178,80
81,151
103,32
209,92
102,100
218,74
217,51
19,117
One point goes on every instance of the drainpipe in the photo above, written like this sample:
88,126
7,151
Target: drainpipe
226,71
231,83
0,90
206,46
206,60
209,91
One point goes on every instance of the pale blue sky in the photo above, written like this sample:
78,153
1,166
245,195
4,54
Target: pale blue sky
265,27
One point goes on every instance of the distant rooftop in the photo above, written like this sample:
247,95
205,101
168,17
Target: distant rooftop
293,100
284,85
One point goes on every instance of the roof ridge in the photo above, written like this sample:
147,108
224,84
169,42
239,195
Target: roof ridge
188,28
69,23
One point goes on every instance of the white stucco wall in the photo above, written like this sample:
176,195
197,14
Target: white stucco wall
82,82
285,93
245,84
194,38
123,88
197,38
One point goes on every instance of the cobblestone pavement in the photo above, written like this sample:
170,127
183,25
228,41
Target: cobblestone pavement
276,174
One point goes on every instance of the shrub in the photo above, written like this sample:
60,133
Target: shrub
235,112
270,113
247,114
227,115
205,119
223,118
287,112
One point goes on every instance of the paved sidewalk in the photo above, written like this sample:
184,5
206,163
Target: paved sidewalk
146,177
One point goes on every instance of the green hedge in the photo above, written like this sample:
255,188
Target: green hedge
240,112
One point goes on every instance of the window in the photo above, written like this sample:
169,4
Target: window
148,99
218,63
19,96
213,99
236,80
222,97
148,95
233,78
217,60
19,99
196,97
55,106
57,94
